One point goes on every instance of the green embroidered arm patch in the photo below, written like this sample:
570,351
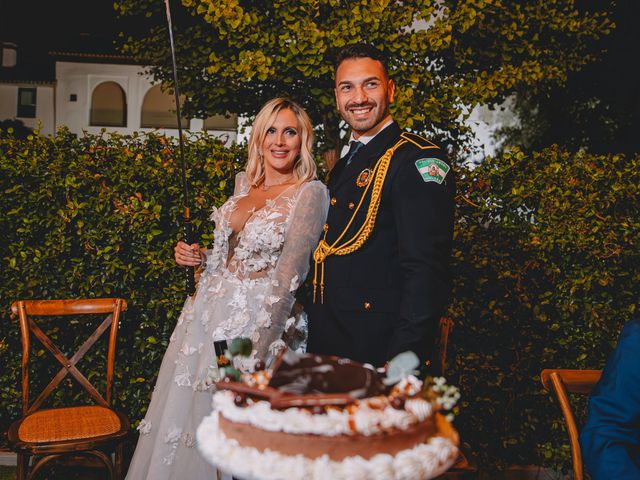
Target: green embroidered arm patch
432,169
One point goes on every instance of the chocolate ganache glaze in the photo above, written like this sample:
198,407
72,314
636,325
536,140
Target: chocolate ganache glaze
307,380
304,374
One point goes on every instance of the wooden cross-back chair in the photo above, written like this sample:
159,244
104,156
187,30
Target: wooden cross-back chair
561,382
89,430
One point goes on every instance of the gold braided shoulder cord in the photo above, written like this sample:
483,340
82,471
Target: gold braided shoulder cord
324,250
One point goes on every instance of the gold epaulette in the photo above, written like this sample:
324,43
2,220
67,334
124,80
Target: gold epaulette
420,142
345,247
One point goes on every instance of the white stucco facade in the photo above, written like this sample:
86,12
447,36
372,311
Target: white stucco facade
81,79
45,119
67,101
485,122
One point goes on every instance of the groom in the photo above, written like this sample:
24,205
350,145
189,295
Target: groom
382,265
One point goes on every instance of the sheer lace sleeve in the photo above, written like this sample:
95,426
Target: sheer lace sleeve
242,184
301,237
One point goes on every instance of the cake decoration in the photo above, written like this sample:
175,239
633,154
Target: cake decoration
320,417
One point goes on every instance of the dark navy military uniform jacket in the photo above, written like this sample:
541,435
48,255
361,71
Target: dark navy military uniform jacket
610,440
387,297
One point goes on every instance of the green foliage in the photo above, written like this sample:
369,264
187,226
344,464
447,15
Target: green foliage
472,52
545,267
593,109
546,272
98,216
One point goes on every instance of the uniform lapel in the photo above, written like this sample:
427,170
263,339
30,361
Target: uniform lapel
365,158
335,172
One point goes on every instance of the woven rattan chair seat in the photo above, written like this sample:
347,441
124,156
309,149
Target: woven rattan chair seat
71,423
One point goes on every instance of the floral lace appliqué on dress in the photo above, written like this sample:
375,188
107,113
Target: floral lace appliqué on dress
247,289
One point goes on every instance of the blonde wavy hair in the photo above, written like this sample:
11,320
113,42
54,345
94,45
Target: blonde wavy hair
304,168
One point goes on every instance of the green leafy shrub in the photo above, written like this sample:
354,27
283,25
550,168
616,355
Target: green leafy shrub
545,264
547,252
99,216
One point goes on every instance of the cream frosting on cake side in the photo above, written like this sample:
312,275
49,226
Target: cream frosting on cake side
424,460
325,417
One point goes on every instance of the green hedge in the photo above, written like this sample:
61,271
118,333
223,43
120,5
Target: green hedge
547,255
546,267
99,216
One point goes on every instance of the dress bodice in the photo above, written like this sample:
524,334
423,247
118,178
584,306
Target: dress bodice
253,252
272,249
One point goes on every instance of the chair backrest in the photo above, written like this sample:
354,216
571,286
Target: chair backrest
561,381
28,309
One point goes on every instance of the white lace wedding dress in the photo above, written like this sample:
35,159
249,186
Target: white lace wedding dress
246,290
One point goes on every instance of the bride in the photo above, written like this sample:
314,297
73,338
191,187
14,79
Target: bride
263,239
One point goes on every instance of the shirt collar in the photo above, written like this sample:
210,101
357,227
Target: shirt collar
364,138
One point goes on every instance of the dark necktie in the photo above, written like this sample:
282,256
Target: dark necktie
353,149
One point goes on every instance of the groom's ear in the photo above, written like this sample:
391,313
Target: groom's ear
391,90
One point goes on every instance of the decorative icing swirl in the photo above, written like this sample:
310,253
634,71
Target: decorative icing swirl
419,407
368,417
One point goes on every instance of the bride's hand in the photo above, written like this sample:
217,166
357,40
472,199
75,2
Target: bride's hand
188,255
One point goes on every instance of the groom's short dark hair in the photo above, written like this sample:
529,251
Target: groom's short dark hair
361,50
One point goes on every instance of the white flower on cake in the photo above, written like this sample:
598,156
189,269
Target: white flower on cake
448,394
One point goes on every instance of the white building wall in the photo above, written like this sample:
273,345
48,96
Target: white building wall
8,101
82,78
44,106
485,123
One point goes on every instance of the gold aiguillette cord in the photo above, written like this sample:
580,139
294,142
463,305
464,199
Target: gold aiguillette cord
324,250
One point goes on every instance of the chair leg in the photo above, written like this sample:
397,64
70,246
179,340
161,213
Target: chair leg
106,461
119,460
22,469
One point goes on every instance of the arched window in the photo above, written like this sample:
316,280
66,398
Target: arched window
159,110
108,106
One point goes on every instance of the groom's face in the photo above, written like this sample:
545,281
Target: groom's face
363,93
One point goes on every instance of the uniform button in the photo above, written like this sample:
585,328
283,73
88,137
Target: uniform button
333,200
351,205
367,306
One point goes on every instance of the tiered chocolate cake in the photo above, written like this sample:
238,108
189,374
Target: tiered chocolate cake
326,417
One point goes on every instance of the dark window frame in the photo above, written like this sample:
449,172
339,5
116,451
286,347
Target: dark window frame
27,110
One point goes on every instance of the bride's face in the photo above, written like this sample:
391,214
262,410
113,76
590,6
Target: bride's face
281,144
